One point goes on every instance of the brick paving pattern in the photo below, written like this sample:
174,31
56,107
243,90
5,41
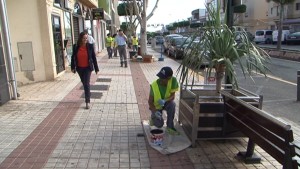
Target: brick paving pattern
48,127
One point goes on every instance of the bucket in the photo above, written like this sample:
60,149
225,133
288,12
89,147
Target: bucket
131,54
157,136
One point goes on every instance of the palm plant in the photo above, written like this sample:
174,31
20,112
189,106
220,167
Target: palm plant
219,47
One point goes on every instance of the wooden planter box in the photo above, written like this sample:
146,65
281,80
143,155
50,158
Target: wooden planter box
148,58
201,112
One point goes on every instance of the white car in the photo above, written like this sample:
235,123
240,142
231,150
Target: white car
285,33
264,36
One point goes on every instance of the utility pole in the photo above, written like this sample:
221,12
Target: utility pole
229,14
7,49
229,22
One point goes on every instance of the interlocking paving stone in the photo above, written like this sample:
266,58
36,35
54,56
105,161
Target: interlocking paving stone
94,95
103,80
97,87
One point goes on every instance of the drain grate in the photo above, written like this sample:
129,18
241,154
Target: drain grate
103,80
97,87
94,95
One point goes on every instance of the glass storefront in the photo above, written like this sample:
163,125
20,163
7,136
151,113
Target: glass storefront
68,36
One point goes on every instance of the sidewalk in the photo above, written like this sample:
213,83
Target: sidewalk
48,127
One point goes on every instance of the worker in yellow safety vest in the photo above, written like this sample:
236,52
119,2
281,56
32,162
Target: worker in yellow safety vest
114,45
108,43
135,42
161,97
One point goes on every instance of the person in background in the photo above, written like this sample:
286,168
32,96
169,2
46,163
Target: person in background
121,40
108,45
135,43
83,61
115,46
91,40
161,97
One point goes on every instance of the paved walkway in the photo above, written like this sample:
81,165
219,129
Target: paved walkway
48,127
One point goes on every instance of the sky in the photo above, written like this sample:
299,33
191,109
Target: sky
170,11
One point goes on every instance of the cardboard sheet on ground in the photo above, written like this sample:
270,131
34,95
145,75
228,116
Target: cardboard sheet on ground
171,143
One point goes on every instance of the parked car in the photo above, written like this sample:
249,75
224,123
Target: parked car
238,35
293,38
177,45
149,40
159,39
167,41
283,37
264,36
191,47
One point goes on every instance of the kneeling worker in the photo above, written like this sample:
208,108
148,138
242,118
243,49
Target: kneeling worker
161,97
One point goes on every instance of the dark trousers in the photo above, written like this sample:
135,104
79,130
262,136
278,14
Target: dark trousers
115,51
170,108
85,76
123,54
109,52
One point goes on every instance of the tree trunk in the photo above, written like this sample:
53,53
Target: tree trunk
220,72
279,37
143,33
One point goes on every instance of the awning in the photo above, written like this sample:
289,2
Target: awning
291,21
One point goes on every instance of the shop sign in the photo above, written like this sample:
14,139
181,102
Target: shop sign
98,13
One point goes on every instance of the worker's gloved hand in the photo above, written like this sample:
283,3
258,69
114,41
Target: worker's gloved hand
158,115
161,102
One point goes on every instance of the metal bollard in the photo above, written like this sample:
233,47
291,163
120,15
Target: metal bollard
298,85
161,54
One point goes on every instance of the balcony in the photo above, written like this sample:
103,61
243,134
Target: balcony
90,3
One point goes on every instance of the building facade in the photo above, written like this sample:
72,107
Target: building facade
42,33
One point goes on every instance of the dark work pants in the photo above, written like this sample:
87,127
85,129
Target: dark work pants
85,76
109,52
170,108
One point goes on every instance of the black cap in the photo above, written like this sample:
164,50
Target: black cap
165,72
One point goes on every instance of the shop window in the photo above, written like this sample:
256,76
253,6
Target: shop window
61,3
68,35
297,6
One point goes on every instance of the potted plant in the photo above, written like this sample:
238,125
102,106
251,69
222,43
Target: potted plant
220,48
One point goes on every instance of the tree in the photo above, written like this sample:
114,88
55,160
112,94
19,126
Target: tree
126,9
141,7
281,4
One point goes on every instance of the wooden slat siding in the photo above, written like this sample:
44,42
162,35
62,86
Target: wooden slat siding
270,134
186,110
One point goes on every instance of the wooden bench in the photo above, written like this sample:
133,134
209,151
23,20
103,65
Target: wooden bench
297,148
272,135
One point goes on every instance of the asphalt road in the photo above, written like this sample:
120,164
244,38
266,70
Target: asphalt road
279,89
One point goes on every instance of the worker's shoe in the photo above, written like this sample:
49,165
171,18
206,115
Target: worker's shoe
172,131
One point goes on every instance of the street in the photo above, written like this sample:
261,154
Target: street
279,88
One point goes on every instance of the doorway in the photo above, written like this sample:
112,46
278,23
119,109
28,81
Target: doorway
58,45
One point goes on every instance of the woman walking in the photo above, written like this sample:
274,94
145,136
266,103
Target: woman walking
84,62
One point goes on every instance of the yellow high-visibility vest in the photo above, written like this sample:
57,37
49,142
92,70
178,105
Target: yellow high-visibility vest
135,41
108,41
157,95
